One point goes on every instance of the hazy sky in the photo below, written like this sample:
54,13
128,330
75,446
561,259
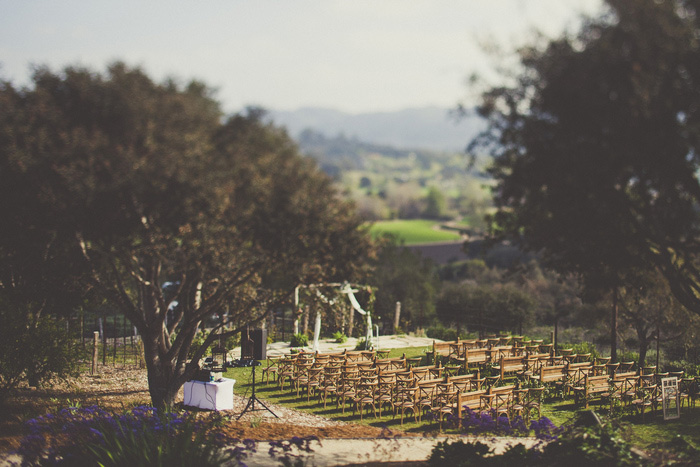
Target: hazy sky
352,55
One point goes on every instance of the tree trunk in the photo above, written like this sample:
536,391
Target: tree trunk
162,382
643,348
658,336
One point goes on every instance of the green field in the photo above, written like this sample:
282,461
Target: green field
414,231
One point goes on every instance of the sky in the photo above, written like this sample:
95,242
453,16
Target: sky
355,56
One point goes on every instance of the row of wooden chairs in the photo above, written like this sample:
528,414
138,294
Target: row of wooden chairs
635,389
369,384
476,353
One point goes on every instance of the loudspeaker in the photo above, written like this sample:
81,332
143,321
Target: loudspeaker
258,348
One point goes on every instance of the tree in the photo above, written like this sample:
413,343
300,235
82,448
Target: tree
513,307
461,304
401,275
649,308
150,186
485,307
596,148
557,295
435,204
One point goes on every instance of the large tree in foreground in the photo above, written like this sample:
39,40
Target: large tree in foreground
147,184
596,147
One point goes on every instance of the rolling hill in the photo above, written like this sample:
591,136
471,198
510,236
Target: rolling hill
430,128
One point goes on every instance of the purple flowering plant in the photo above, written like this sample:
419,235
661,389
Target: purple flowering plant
490,423
142,436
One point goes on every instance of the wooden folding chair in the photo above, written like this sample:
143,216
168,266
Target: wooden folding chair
405,401
365,394
270,370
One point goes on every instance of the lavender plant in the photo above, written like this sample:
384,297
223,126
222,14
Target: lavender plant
489,423
141,437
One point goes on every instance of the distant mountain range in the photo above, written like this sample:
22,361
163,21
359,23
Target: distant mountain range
431,128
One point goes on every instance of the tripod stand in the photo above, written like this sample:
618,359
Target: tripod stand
253,399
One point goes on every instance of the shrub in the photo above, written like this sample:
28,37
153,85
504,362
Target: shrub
339,337
691,369
582,348
141,437
439,331
628,356
33,349
299,340
362,344
598,445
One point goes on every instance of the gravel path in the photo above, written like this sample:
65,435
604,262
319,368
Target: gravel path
329,345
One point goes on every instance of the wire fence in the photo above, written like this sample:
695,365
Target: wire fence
108,339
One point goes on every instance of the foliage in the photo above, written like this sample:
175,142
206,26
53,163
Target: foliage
440,331
630,356
472,269
600,445
362,344
581,348
650,309
400,275
485,307
145,183
299,340
387,182
235,340
33,349
595,147
679,451
197,343
690,369
141,437
435,204
339,337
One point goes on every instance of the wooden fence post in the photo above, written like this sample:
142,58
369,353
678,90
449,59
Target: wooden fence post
397,316
95,352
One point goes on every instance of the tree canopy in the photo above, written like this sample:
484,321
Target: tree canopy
595,147
143,183
402,275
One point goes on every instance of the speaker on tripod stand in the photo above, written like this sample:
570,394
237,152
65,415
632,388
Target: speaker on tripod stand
254,349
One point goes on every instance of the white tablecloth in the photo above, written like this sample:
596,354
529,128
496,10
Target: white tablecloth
216,395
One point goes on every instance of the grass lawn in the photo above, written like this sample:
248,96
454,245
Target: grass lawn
271,393
414,231
652,432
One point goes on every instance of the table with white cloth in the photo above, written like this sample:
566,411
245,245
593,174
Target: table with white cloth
213,395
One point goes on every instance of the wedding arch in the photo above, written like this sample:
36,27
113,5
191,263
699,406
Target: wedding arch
330,294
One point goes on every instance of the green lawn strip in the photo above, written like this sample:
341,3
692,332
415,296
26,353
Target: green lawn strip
414,231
